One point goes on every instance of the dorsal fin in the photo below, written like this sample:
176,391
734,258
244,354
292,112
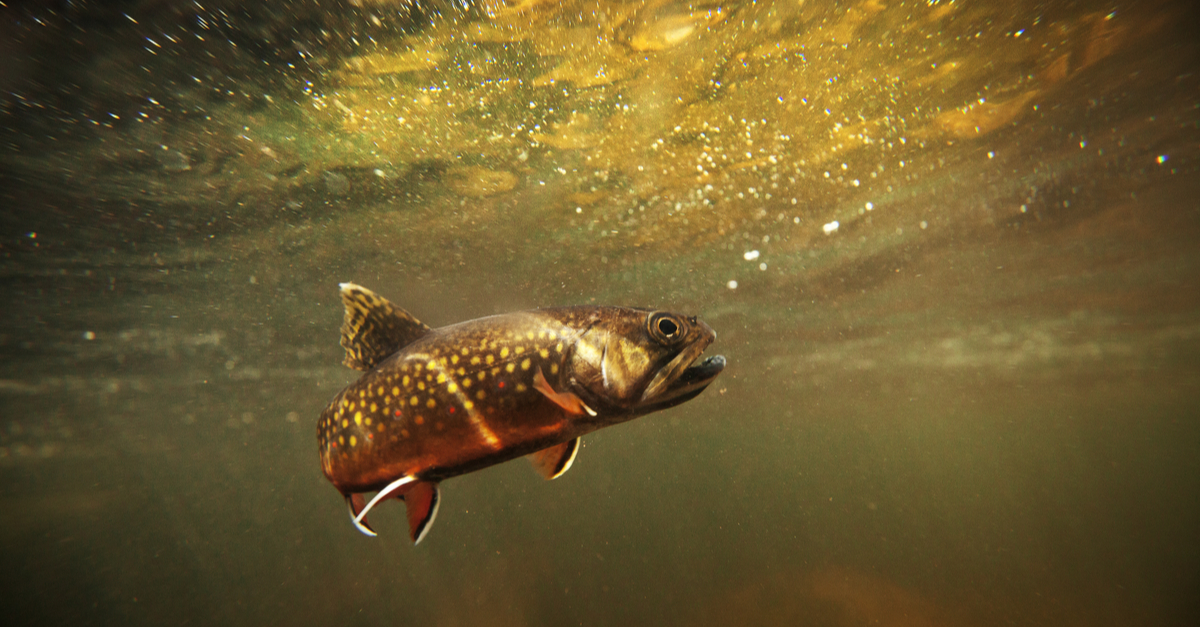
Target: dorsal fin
373,328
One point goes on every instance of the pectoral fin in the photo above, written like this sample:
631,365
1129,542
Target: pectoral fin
552,462
571,403
422,501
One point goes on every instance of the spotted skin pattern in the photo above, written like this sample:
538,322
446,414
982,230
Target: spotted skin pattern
447,401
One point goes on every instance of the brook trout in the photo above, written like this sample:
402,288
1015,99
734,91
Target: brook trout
437,403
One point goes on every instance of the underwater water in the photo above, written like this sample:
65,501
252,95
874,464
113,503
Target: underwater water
951,251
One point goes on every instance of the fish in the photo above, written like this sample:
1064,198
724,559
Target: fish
434,404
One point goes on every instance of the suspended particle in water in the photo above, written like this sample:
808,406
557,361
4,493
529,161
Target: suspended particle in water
831,227
731,285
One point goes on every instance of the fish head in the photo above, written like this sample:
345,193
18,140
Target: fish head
630,362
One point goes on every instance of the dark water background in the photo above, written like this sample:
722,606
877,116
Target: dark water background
975,402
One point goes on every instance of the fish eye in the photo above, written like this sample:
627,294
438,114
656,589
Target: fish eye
665,327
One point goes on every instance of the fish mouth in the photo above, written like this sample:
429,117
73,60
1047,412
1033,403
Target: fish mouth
688,385
683,377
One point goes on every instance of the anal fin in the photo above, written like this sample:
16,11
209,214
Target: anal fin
422,501
552,462
359,507
571,403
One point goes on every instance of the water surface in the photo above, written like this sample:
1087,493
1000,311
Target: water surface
949,249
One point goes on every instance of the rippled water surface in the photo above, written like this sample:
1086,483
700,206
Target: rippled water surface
950,250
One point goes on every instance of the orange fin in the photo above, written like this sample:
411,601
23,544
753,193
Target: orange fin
359,507
422,501
552,462
571,403
356,503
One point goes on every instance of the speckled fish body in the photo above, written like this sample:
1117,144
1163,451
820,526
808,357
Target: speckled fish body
436,403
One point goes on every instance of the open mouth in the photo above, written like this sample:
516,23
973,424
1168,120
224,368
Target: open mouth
686,386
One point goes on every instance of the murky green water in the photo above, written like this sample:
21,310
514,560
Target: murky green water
949,248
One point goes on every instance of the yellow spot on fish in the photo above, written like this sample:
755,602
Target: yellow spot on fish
558,349
529,335
490,360
475,360
521,387
341,439
413,401
454,359
345,423
353,441
441,378
520,349
403,433
461,371
380,428
466,351
544,353
480,395
420,385
405,381
503,353
419,420
432,364
468,405
431,403
351,407
510,367
368,421
553,368
482,374
466,383
380,390
358,417
452,388
396,391
525,364
374,408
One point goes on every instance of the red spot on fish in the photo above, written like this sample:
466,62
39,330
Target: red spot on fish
397,412
452,410
370,436
501,384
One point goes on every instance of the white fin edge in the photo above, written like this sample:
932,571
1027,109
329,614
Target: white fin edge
571,459
357,524
437,503
383,494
